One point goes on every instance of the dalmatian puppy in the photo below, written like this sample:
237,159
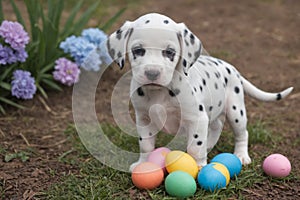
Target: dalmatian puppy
175,87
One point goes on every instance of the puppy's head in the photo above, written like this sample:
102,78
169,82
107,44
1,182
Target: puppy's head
156,46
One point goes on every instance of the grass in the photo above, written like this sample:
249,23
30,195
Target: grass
97,181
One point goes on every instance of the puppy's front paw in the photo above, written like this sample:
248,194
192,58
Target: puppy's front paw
244,158
201,163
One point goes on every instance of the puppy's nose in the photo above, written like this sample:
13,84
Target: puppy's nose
152,75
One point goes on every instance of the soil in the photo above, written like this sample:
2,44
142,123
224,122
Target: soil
260,37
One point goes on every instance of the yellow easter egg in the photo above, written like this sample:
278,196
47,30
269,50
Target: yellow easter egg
179,160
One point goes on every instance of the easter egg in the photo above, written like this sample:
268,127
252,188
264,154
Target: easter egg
231,161
158,156
180,184
147,175
213,176
179,160
277,165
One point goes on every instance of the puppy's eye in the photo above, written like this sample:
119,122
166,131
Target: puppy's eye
169,53
138,51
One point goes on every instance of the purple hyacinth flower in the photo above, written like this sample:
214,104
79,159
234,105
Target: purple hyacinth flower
10,56
14,34
21,55
23,85
66,72
7,55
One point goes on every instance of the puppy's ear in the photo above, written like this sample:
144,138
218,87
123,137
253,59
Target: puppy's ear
191,47
117,43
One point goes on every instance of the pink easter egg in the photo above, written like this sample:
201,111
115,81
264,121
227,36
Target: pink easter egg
158,157
277,165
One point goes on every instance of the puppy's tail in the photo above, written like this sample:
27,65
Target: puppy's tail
259,94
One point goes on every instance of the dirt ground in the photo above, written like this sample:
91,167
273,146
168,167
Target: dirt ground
260,37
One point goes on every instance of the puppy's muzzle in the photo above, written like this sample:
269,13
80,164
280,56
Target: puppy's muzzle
152,75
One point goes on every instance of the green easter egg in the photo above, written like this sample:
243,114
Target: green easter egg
180,184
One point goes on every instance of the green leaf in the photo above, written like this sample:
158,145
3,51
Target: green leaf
69,23
17,13
2,110
51,84
6,72
41,49
112,20
9,102
1,12
85,17
10,157
47,68
42,91
5,86
22,155
34,16
55,9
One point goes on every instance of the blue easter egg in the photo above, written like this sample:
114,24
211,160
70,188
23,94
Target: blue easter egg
231,161
213,176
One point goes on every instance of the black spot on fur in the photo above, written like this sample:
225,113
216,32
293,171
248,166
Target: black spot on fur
228,70
234,107
150,134
119,34
140,138
204,82
186,43
216,86
220,103
146,22
112,53
200,107
242,113
192,39
237,90
200,61
166,21
185,32
213,61
140,92
226,80
236,121
199,143
119,54
184,63
195,89
210,108
278,97
196,136
207,74
174,92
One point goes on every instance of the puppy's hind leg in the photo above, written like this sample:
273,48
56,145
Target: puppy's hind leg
214,132
236,115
